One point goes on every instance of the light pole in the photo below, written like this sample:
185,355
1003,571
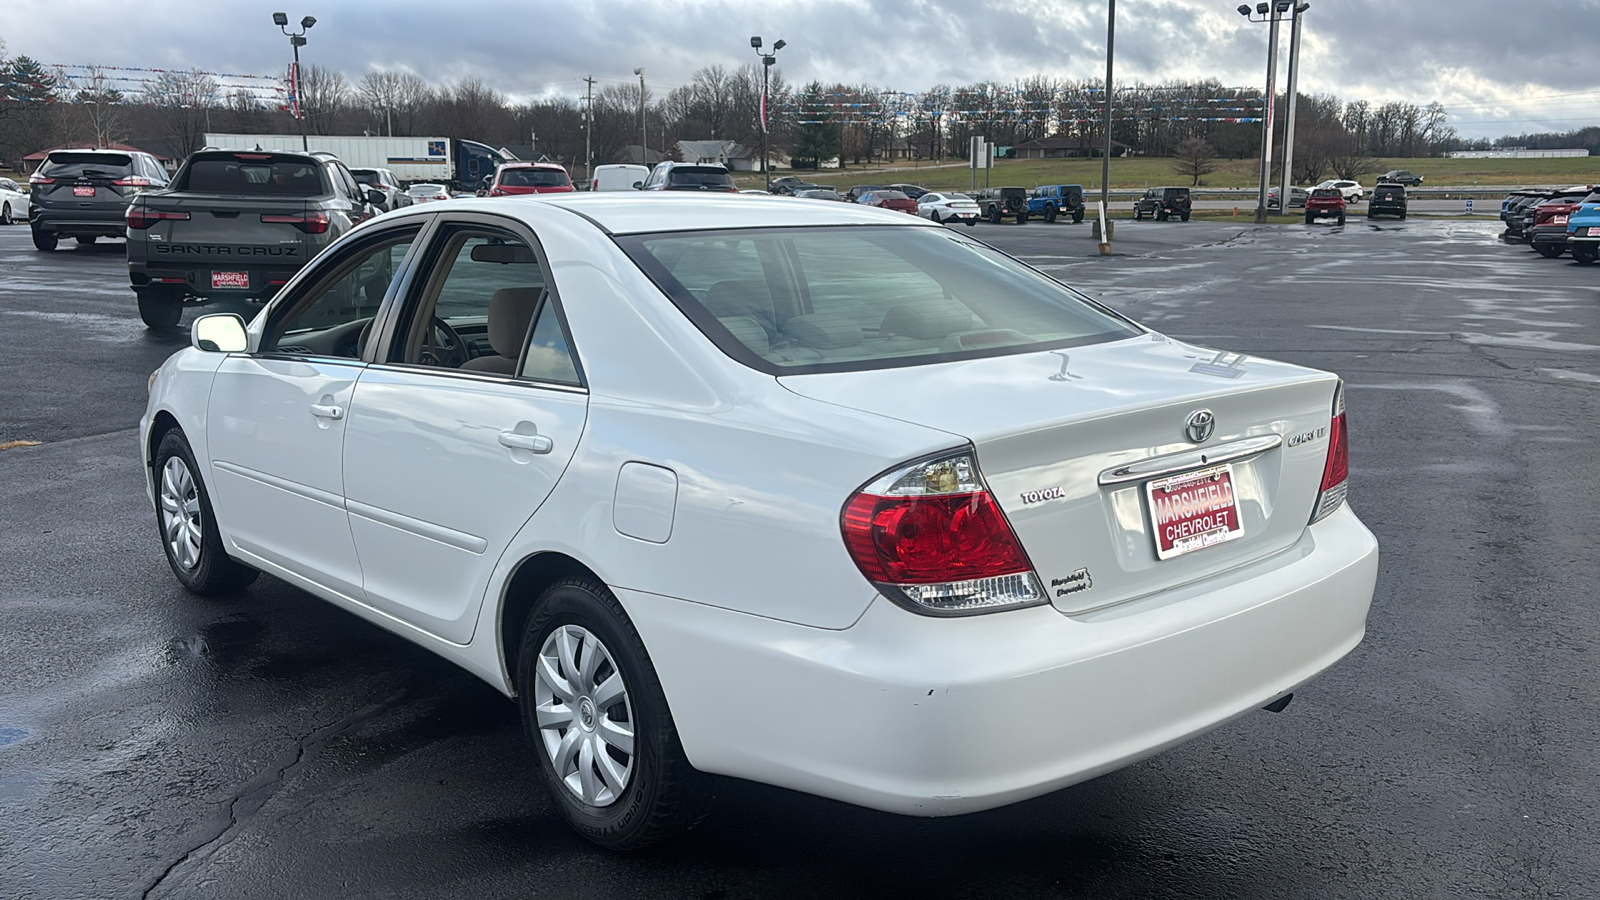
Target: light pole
1288,125
1269,13
1105,157
297,39
767,59
644,143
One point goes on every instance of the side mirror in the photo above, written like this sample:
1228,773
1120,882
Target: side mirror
377,198
638,185
219,333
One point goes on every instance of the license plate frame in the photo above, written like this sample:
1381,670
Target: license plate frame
1193,510
1558,220
230,280
79,190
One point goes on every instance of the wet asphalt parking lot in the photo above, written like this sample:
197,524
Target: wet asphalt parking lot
267,745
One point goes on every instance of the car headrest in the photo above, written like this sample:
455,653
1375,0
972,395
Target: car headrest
510,313
822,331
748,332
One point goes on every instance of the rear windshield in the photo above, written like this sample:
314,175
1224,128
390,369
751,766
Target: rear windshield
1326,192
64,165
712,176
367,176
1172,193
252,174
1388,191
880,196
835,299
534,178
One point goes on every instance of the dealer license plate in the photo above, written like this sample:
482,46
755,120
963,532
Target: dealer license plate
1558,220
83,192
1592,232
230,280
1194,510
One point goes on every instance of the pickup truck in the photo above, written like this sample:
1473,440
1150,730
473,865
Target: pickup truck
1050,201
1325,202
999,203
237,224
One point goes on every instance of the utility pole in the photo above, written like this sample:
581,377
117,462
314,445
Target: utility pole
588,131
1288,127
1104,222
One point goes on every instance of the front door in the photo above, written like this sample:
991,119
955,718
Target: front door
462,429
276,419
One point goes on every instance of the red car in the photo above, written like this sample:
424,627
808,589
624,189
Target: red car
890,200
529,178
1324,203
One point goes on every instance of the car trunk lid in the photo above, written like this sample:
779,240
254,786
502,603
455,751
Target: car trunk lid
1070,444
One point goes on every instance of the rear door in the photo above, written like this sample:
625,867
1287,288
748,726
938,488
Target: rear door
446,458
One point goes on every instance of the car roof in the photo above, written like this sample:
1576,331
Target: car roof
632,213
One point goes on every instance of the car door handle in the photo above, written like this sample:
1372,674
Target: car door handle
534,443
327,411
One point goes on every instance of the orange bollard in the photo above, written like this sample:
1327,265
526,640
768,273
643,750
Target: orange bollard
1236,212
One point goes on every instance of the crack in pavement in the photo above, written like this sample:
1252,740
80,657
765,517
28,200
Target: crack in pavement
249,799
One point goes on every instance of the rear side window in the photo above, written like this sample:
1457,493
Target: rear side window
695,176
253,174
799,300
67,165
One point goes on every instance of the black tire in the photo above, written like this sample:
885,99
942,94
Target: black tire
1022,218
972,221
159,309
1184,217
5,214
994,215
1550,250
86,240
1161,215
1050,214
664,796
935,217
1310,219
44,241
213,572
1585,252
1341,218
1077,216
1402,214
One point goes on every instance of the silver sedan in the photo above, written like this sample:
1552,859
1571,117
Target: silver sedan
950,207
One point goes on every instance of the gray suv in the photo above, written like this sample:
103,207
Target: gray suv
83,194
238,224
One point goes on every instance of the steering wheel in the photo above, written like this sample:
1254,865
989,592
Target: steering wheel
450,354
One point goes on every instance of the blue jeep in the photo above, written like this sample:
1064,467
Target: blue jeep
1583,230
1053,200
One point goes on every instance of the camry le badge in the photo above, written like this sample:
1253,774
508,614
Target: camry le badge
1200,425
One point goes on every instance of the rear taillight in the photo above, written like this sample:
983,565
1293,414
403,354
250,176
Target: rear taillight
1336,471
140,218
931,537
133,181
40,179
309,222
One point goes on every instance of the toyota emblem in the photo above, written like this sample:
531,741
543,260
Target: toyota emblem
1200,425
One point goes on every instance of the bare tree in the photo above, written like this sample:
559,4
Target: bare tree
102,107
1192,158
183,101
324,97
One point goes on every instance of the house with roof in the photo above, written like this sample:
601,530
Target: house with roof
1064,146
736,156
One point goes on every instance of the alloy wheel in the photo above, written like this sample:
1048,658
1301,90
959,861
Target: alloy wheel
180,513
585,719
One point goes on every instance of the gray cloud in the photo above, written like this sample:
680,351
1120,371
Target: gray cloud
1499,66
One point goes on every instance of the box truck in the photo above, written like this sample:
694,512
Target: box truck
456,163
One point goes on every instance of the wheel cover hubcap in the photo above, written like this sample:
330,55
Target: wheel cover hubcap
584,716
181,524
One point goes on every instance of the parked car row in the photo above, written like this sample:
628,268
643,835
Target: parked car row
1554,222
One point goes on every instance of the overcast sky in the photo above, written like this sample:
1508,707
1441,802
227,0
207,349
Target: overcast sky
1500,66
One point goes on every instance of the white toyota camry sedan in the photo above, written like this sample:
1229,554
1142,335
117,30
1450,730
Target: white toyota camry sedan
813,494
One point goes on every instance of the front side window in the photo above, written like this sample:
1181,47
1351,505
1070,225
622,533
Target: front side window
797,300
333,316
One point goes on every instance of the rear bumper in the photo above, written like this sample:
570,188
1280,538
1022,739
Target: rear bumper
1549,235
79,222
930,716
195,281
